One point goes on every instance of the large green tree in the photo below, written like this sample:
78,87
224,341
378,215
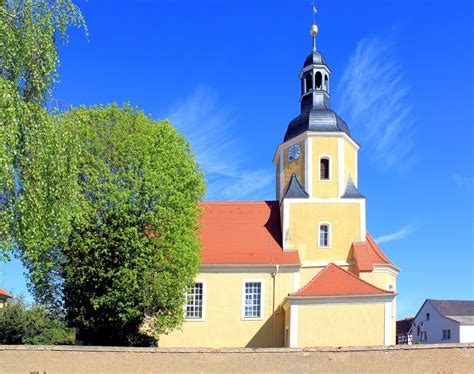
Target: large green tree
100,204
134,246
35,188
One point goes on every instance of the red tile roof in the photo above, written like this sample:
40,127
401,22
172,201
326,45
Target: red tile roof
5,293
404,325
243,233
335,281
367,254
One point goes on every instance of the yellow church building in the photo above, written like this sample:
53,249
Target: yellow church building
302,270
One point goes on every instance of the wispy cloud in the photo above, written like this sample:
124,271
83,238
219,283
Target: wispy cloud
400,234
373,98
464,182
211,131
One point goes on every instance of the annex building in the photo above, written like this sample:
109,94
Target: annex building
301,270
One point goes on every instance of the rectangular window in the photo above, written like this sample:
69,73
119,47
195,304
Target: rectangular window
324,169
427,316
194,301
424,336
324,235
446,334
252,300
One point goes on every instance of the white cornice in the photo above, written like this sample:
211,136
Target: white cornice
315,134
387,268
343,299
263,268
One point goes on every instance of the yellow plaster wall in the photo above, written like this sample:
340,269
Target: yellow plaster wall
381,280
340,325
350,162
296,166
304,225
223,325
322,146
384,280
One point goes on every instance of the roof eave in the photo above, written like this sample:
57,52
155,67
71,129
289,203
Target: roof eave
361,296
249,265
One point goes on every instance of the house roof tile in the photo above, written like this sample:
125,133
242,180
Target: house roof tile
5,293
367,254
335,281
243,233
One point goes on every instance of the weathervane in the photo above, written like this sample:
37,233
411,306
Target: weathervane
314,27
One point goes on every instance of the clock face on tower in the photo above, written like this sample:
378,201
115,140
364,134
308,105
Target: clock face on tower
294,152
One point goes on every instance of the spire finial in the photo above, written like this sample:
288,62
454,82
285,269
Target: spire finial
314,27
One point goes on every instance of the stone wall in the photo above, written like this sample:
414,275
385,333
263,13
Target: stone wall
446,358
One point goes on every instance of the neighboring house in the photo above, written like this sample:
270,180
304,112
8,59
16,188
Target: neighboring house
5,298
403,331
301,270
444,321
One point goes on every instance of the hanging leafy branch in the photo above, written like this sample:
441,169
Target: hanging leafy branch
36,188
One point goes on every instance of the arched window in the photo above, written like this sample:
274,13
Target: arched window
324,235
324,169
319,80
309,82
326,82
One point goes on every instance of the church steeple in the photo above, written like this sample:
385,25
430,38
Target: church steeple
315,77
316,113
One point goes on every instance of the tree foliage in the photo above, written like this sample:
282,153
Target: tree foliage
133,248
100,204
29,31
35,187
23,324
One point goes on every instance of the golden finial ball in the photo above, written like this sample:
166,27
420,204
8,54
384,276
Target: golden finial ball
314,30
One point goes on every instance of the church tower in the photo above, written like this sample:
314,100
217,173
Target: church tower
300,271
322,211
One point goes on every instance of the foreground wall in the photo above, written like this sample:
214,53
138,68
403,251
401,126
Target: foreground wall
454,358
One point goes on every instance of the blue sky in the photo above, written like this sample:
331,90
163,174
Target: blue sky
226,74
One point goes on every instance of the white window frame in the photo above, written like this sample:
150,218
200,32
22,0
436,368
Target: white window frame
448,334
328,224
204,290
262,298
330,168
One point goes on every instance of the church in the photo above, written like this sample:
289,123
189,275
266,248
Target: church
302,270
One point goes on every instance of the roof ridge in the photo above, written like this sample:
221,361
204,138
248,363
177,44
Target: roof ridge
312,279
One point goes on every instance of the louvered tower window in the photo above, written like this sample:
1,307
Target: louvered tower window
324,169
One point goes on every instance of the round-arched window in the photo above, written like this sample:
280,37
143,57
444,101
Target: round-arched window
319,79
309,82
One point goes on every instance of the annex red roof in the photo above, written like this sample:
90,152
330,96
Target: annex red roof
335,281
243,233
5,293
367,254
